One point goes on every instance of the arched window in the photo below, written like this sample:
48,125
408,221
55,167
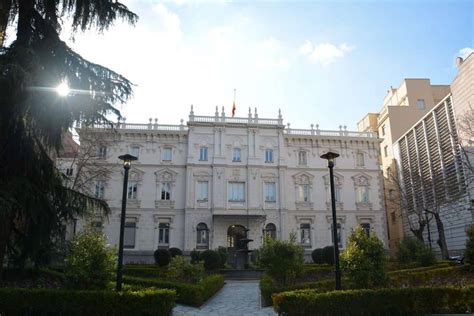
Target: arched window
270,231
202,241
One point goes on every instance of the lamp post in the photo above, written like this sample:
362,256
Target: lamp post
127,163
331,157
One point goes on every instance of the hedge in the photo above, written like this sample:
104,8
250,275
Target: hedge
61,302
188,294
408,301
417,278
144,272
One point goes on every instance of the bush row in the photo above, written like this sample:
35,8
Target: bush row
60,302
144,272
424,277
442,264
188,294
408,301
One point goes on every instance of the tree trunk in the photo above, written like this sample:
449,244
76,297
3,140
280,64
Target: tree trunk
441,236
5,230
25,19
418,232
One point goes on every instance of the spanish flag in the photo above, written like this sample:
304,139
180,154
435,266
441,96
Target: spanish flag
233,106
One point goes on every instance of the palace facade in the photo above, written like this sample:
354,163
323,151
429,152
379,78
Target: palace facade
200,185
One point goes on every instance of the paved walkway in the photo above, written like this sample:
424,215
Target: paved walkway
235,298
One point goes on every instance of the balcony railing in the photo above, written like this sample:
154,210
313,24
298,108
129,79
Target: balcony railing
318,132
138,127
235,120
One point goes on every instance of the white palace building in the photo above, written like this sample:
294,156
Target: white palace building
199,185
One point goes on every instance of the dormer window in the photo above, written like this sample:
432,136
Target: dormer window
236,155
302,160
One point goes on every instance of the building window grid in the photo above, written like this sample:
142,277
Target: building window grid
102,152
270,192
269,232
303,193
236,155
366,228
99,189
236,192
167,154
135,151
166,191
163,234
362,194
360,159
269,155
132,190
129,235
302,158
339,236
203,190
305,233
202,238
203,154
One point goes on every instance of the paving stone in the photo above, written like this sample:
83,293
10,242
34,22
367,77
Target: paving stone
235,298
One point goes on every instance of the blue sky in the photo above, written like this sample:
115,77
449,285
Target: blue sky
321,62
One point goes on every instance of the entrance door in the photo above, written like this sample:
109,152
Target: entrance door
234,234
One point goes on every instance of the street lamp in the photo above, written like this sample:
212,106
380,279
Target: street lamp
127,163
331,157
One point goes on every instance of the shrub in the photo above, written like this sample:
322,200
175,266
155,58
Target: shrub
145,271
283,260
211,260
469,252
175,252
222,252
61,302
162,257
189,294
90,263
195,256
364,261
317,255
408,301
328,255
413,250
181,270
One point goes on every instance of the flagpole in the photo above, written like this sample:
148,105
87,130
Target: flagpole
233,105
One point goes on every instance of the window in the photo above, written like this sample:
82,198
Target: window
366,228
203,190
203,154
360,159
303,193
385,151
163,235
339,239
302,158
99,189
102,152
167,154
269,155
270,192
362,194
132,190
383,130
236,155
337,193
305,230
202,241
270,231
69,172
420,103
236,192
135,151
166,191
129,235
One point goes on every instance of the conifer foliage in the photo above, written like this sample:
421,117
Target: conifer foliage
34,204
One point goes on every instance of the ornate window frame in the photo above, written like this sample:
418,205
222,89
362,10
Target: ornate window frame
338,185
165,175
300,179
362,180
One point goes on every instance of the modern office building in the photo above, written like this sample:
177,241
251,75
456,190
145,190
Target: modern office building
200,185
402,107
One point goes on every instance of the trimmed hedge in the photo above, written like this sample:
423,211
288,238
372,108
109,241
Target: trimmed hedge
422,277
188,294
408,301
60,302
144,272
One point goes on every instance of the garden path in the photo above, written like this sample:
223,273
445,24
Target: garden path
235,298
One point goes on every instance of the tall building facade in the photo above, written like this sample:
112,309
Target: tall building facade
432,177
402,107
200,185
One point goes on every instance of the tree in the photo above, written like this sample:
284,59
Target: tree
364,261
34,203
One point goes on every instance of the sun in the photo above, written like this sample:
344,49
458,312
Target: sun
63,89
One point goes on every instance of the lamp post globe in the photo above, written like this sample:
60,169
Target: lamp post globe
331,158
127,163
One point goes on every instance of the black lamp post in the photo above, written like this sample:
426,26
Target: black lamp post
127,163
331,157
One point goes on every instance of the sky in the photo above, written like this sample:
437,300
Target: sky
320,62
